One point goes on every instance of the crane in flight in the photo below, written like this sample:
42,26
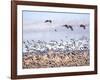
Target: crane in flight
83,26
48,21
68,27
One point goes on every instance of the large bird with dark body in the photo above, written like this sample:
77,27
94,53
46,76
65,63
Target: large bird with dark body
83,26
48,21
68,27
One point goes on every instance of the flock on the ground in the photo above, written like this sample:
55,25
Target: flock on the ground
55,46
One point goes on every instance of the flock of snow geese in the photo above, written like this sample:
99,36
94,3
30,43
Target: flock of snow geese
62,46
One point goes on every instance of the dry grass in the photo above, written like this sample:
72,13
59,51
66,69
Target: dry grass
76,58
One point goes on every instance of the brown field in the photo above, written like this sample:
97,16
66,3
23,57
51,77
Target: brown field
51,59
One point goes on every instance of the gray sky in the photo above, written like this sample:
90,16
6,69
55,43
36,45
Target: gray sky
34,27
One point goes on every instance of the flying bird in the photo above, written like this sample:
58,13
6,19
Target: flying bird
48,21
83,26
68,26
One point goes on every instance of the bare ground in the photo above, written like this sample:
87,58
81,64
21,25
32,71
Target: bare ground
51,59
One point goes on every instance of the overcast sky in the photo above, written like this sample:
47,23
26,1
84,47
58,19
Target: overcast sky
35,28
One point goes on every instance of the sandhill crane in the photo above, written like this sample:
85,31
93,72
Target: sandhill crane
83,26
49,21
68,26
